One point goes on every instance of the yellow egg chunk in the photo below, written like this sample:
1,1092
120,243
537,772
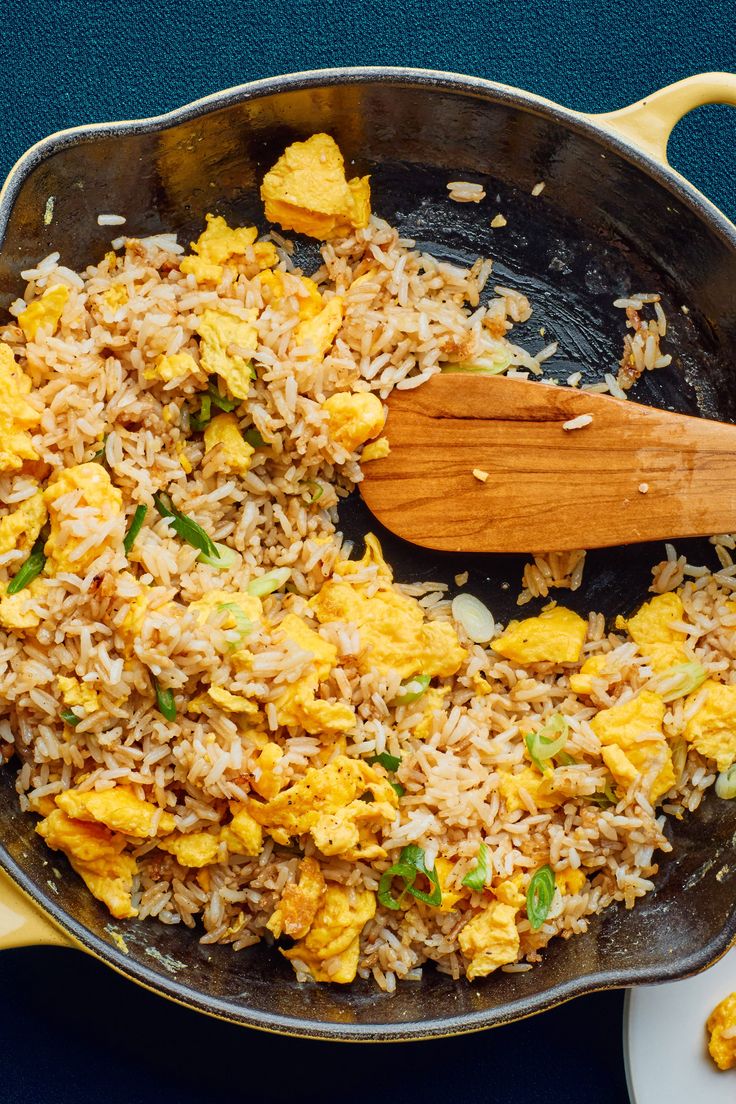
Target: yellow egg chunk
509,892
17,415
175,367
243,835
650,628
193,849
376,450
722,1027
117,809
569,881
14,611
217,244
214,599
582,682
115,296
235,452
298,705
44,313
450,898
267,781
712,730
20,528
538,786
327,803
220,332
97,855
316,334
307,191
82,501
632,739
556,636
299,902
75,692
232,703
204,272
355,417
490,940
433,702
331,947
311,304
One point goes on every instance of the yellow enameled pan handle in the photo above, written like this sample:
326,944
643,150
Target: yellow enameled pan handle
649,123
22,923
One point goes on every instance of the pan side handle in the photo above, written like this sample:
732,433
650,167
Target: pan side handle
649,123
22,922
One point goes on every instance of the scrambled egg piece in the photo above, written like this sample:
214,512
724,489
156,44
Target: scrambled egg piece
117,809
376,450
174,367
722,1020
306,190
232,703
538,786
331,947
44,313
355,417
450,898
243,835
490,940
312,303
297,909
298,705
328,804
235,451
193,849
203,271
569,881
86,488
267,781
712,730
97,856
433,702
75,692
248,603
509,891
319,331
14,612
20,528
650,628
16,415
620,730
582,682
556,636
481,685
219,332
393,633
115,296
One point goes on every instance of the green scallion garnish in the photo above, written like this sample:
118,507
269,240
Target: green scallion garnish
390,763
410,865
547,742
604,798
539,896
224,557
134,528
165,702
99,454
243,623
397,788
268,583
726,784
690,676
69,717
254,438
317,490
32,566
412,690
222,402
198,421
480,875
184,526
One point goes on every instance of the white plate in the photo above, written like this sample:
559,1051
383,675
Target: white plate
665,1041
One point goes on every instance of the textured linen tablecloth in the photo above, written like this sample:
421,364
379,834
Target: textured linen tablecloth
71,1030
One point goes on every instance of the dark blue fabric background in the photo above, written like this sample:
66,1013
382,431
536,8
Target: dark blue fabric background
70,1030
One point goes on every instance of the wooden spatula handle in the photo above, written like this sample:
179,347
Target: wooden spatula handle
634,474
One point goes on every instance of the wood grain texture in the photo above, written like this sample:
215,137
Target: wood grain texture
548,488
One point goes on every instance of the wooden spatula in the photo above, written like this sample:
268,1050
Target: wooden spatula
633,474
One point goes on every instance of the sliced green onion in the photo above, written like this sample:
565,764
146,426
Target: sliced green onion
726,783
412,690
164,700
480,875
268,583
539,896
184,526
397,788
491,364
253,437
99,455
243,623
223,402
224,557
604,798
564,760
544,745
390,763
69,717
199,421
32,566
317,492
134,528
690,675
475,618
411,863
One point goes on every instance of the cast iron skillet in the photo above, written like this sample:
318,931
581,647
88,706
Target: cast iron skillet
610,221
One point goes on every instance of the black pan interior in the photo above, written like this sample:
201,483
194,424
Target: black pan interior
603,227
